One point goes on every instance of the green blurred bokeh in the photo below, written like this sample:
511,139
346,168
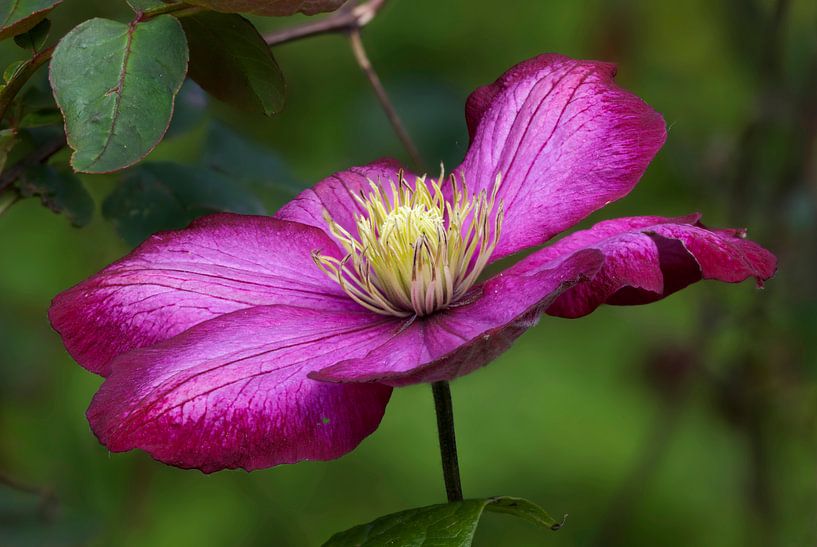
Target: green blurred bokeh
687,422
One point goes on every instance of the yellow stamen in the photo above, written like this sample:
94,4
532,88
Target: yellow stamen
415,252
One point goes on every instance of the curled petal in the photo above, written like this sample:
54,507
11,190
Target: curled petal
233,392
649,258
174,280
565,139
459,340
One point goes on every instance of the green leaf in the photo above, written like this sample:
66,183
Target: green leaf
246,161
34,39
116,84
231,61
19,16
60,191
41,117
11,70
164,196
142,5
8,138
444,525
270,7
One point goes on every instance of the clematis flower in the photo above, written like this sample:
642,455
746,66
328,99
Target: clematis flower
248,341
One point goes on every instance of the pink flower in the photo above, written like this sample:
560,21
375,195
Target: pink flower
247,341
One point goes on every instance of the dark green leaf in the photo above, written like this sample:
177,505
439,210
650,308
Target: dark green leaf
444,525
164,196
270,7
11,70
60,191
246,161
41,117
115,84
231,61
8,138
18,16
190,110
142,5
34,39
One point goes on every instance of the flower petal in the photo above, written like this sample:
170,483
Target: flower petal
649,258
462,339
233,392
174,280
565,139
335,195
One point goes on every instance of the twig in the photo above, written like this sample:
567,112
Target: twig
383,97
41,155
48,499
342,20
349,20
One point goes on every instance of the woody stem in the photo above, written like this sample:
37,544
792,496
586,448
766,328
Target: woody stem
448,441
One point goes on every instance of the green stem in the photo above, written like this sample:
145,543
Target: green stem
448,441
21,76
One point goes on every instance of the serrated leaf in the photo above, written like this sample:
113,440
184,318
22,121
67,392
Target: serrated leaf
19,16
270,7
60,191
34,39
230,60
115,85
445,525
163,196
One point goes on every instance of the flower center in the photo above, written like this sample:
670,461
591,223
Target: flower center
416,251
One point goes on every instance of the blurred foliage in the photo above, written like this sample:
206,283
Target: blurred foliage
687,422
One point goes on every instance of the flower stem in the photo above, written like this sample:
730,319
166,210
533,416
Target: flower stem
448,442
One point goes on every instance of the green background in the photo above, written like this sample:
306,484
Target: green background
687,422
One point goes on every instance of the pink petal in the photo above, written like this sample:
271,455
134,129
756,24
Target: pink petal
459,340
565,139
174,280
233,392
335,195
649,258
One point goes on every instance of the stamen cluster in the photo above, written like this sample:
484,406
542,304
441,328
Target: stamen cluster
415,252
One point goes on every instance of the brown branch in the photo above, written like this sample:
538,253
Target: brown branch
383,97
349,20
343,20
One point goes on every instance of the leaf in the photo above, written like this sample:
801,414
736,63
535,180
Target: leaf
60,191
250,163
8,138
34,39
115,85
163,196
444,525
19,16
190,111
12,70
231,61
142,5
270,7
